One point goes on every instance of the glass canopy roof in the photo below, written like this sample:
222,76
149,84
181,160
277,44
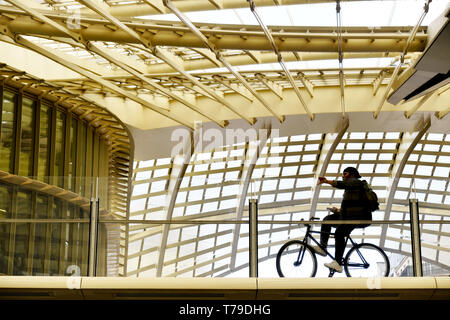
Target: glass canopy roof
166,53
354,13
158,67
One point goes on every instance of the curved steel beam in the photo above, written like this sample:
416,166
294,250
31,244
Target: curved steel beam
280,58
179,166
264,57
128,229
251,156
211,46
88,74
398,172
441,114
381,40
411,37
343,128
416,107
148,43
103,52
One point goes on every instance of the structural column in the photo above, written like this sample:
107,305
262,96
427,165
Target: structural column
415,237
93,238
253,238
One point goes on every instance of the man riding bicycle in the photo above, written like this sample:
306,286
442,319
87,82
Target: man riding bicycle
353,207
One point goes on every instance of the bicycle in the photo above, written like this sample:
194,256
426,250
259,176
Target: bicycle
296,258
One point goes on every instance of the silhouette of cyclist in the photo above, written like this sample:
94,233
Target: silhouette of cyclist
353,207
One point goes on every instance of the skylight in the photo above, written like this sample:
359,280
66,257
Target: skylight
354,13
369,14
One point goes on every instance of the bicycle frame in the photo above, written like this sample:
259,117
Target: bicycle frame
309,236
353,259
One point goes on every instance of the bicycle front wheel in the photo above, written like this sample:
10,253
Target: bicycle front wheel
366,260
295,259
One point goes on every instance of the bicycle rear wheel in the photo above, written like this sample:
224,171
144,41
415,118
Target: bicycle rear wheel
366,260
295,259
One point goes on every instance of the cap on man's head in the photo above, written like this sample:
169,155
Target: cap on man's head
352,171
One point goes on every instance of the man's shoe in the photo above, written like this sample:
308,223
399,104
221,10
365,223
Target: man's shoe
319,251
334,265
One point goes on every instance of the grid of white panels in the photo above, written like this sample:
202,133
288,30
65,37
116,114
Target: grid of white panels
198,250
426,178
283,180
211,182
285,169
150,183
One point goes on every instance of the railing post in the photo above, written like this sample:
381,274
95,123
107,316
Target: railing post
415,237
253,237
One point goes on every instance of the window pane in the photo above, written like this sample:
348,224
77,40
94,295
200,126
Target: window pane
21,248
73,153
42,207
5,201
39,248
55,238
55,243
23,205
7,132
59,148
5,228
27,138
89,151
82,158
44,136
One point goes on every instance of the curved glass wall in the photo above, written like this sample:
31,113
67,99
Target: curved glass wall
47,236
45,232
204,233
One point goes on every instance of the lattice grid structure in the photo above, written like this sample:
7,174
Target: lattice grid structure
283,180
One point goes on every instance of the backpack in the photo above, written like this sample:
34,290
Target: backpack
372,198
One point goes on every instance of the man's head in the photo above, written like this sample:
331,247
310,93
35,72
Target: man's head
350,172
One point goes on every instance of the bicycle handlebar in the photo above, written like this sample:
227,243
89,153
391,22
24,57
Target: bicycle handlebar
312,218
